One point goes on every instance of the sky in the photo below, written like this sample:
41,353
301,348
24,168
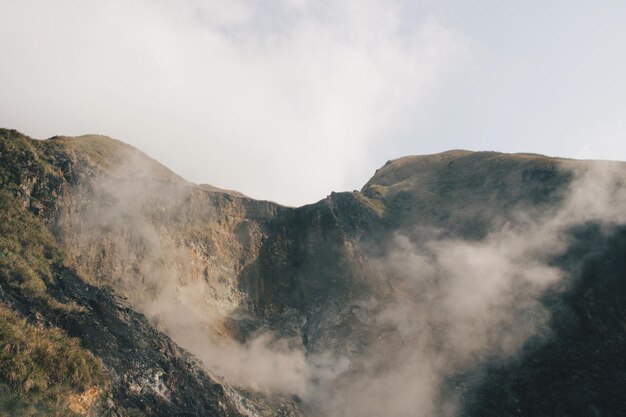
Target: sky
288,100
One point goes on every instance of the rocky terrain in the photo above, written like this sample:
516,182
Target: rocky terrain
457,284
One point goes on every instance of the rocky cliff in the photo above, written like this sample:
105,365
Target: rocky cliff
462,283
125,366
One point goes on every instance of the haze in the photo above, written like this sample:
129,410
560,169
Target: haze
288,100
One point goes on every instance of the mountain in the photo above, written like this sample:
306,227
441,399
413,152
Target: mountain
70,344
462,283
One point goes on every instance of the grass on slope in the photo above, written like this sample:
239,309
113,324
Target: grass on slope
27,251
42,370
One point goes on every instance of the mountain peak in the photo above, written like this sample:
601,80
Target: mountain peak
410,168
116,157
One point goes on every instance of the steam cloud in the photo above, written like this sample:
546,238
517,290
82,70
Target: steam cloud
450,304
454,304
132,228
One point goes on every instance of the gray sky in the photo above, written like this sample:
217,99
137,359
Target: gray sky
291,99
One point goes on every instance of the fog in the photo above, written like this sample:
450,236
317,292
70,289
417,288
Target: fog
450,305
290,99
143,230
234,94
456,304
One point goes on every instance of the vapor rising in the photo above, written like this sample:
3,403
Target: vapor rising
443,307
158,240
453,304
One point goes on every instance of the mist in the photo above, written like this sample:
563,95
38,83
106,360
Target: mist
232,94
439,308
237,94
454,304
287,101
141,229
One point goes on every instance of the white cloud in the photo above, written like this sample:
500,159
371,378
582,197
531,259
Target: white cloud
456,304
278,100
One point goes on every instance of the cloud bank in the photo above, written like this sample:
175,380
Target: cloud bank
280,100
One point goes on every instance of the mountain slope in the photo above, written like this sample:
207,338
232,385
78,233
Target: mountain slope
581,369
399,263
462,283
138,369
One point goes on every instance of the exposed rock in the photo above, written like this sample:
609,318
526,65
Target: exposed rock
322,286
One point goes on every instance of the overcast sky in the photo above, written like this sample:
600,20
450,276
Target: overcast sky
291,99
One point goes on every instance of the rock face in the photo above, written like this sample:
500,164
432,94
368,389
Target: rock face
581,369
145,372
462,283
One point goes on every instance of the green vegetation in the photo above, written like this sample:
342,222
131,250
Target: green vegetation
35,172
103,151
43,372
41,368
111,156
27,251
376,205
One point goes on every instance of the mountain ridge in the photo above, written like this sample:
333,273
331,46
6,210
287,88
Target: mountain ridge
311,290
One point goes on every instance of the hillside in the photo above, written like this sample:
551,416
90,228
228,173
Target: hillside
462,283
98,356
